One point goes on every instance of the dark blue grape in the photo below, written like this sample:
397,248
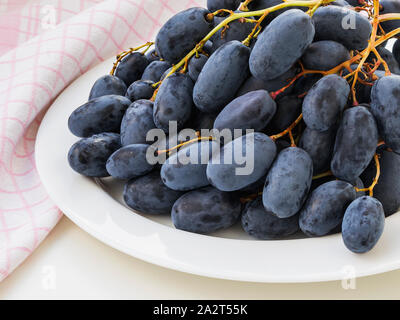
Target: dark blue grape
155,70
186,169
141,89
350,28
355,144
288,110
214,5
152,55
148,194
129,162
325,207
319,145
385,101
288,182
103,114
205,210
174,101
389,6
181,33
363,224
89,156
324,102
264,225
195,66
325,55
387,191
221,77
107,85
281,44
137,122
253,84
257,149
253,110
131,67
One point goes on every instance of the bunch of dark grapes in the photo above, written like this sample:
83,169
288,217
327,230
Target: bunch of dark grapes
313,82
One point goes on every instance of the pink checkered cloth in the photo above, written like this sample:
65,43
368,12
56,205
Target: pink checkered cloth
44,46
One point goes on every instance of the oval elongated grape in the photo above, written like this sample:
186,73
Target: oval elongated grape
155,70
129,162
107,85
103,114
325,208
264,225
288,182
186,169
355,144
195,66
88,156
221,76
205,210
389,6
137,122
174,101
141,89
324,55
288,110
214,5
324,102
387,191
363,224
385,101
131,67
228,173
253,110
281,44
148,194
319,145
350,28
181,33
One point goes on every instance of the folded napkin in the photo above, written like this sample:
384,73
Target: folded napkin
44,46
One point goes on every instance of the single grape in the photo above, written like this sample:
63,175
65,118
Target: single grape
387,191
253,110
155,70
107,85
325,208
385,101
195,66
389,6
324,55
363,224
137,122
348,27
319,145
264,225
227,172
214,5
281,44
288,182
181,33
222,75
129,162
325,101
148,194
186,169
131,67
287,111
174,101
205,210
355,145
141,89
88,156
103,114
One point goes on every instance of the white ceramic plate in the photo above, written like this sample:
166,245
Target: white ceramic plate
96,207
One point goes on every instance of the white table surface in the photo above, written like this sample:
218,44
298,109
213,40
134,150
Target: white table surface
70,264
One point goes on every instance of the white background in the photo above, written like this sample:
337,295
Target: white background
70,264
